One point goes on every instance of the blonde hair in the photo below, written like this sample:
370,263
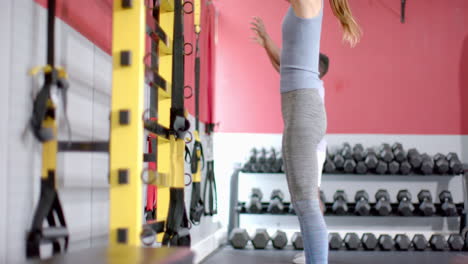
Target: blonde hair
351,30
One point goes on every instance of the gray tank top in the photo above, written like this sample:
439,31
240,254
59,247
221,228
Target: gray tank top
299,65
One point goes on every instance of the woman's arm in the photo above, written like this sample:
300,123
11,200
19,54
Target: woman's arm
264,40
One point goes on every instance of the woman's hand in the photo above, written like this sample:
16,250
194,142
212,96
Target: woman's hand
258,27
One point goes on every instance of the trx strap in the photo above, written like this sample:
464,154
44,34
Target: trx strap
177,227
43,123
209,191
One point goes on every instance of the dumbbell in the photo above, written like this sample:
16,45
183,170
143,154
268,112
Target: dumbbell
262,156
425,203
398,152
334,241
386,242
256,167
402,242
386,153
405,167
278,164
297,242
383,205
419,242
362,203
414,158
441,164
427,165
352,241
405,206
358,153
382,167
254,206
346,151
371,159
253,155
260,239
329,166
271,156
339,206
369,241
437,242
276,205
448,207
279,239
247,167
361,167
349,166
456,243
339,161
456,167
239,238
393,167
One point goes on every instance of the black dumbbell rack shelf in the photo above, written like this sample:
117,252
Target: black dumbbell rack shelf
370,174
241,209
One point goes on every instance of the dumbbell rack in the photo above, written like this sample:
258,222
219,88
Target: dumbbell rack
351,183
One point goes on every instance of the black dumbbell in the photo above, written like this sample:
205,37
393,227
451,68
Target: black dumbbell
419,242
369,241
279,239
339,161
349,166
437,242
329,166
426,206
239,238
361,167
441,164
371,159
352,241
346,151
339,206
271,156
405,206
448,207
386,153
278,163
427,165
455,242
276,205
383,205
405,167
247,167
358,153
386,242
256,167
260,239
456,167
414,158
254,206
402,242
382,167
297,242
266,167
253,155
262,156
362,203
398,152
334,241
393,167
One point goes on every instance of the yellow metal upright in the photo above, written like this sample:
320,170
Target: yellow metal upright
126,139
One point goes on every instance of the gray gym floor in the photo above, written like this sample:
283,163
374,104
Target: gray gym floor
228,255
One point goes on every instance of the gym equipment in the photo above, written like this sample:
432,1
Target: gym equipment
361,167
441,164
279,239
383,205
334,241
358,153
456,167
369,241
393,167
352,241
297,242
362,203
260,239
239,238
426,206
346,151
405,168
329,166
386,153
382,167
448,207
414,158
349,166
276,205
437,242
262,157
278,164
271,156
455,242
398,152
339,206
253,156
419,242
386,242
210,192
339,161
427,165
371,159
402,242
254,206
405,206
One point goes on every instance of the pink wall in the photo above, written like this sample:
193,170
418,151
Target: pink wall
401,79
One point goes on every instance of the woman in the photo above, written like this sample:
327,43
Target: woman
303,109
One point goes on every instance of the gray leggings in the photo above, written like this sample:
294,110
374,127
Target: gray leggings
305,123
